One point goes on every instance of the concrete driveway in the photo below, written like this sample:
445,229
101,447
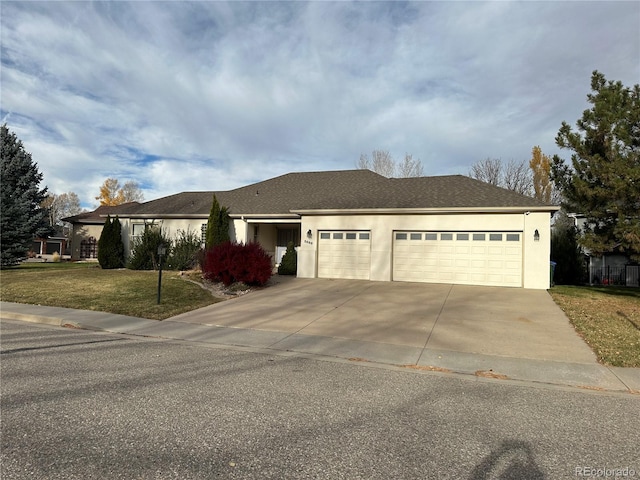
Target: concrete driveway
494,321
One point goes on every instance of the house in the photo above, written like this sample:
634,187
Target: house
45,248
612,268
358,224
86,229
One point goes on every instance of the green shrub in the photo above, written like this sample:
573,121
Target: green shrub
185,254
144,254
289,263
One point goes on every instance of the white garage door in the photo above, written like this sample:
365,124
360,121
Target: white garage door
344,254
472,258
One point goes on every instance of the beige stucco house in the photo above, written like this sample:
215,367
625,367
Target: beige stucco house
358,224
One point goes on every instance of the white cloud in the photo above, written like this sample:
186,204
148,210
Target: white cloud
212,95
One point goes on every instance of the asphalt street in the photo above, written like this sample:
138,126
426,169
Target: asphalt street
79,404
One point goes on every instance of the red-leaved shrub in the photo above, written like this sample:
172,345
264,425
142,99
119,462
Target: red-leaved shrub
237,262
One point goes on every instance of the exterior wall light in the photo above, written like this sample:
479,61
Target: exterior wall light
309,233
536,235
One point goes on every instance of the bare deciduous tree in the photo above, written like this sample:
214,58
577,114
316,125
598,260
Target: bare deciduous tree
409,167
488,170
517,177
383,163
514,176
61,206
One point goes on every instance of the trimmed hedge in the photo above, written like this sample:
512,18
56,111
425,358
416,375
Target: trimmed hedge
236,262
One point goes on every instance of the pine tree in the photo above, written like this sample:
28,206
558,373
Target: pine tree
22,218
603,181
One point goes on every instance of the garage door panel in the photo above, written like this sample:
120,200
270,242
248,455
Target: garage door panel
482,258
344,254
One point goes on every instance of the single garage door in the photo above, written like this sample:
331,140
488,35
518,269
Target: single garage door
344,254
471,258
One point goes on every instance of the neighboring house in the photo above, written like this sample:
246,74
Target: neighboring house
611,268
358,224
47,247
86,228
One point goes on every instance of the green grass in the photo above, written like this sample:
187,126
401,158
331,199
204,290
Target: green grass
608,318
86,286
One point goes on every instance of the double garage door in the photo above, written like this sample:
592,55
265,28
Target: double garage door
474,258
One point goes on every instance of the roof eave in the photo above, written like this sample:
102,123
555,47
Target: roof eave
426,211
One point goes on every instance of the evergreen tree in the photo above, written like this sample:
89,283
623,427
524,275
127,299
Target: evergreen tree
222,232
22,217
289,263
212,223
110,245
118,244
566,252
603,181
217,225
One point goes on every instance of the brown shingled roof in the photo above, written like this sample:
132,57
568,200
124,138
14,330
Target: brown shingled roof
339,190
100,214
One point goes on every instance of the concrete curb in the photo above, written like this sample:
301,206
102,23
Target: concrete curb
593,377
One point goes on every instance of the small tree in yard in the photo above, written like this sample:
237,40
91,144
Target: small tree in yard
236,262
110,245
217,225
144,254
289,263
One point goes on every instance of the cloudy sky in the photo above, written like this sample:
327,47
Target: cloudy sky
214,95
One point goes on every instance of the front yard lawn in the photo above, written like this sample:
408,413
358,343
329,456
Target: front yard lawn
86,286
608,318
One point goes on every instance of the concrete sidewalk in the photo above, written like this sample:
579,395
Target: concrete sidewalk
589,375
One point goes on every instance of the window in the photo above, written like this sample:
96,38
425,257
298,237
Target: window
431,236
495,237
462,236
137,229
416,236
203,233
351,236
513,237
325,236
401,236
89,248
337,236
286,235
446,236
479,237
364,236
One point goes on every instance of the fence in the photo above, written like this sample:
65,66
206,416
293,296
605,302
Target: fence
626,275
